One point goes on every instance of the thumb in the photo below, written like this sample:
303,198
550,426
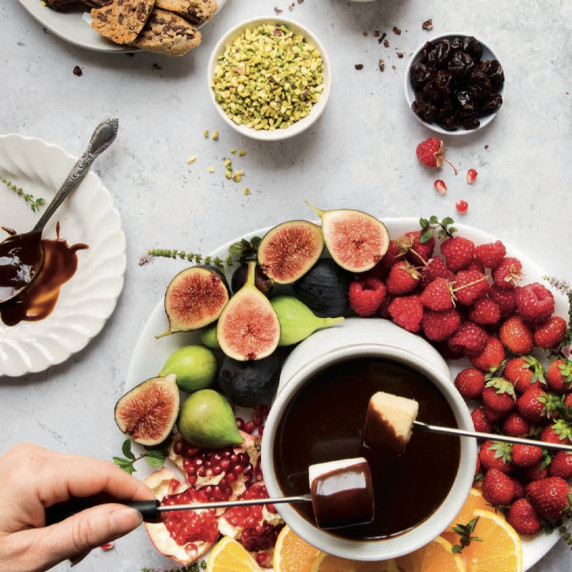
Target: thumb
91,528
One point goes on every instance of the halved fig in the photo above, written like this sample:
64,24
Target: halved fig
356,240
148,412
183,536
248,327
195,298
290,249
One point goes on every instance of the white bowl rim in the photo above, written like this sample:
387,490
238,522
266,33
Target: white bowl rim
405,542
410,96
317,109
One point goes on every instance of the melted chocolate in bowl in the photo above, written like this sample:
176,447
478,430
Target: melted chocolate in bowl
324,422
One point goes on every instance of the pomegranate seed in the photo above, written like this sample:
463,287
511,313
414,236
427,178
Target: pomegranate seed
249,427
471,176
462,206
239,422
107,546
440,186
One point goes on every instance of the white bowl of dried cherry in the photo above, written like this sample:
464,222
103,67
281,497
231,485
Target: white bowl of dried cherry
454,84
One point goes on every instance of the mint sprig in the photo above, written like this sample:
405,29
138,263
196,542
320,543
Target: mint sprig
445,230
153,457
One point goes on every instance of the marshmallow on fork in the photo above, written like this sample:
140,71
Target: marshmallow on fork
342,493
389,422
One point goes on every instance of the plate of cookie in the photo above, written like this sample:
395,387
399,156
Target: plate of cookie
168,27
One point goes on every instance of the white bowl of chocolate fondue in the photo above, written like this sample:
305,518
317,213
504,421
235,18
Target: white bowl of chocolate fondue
317,417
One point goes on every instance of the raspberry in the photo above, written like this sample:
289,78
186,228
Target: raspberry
407,312
440,326
393,255
516,336
458,252
506,299
550,334
491,254
470,383
507,274
366,295
485,312
431,153
436,268
438,295
415,251
403,278
469,339
469,286
535,303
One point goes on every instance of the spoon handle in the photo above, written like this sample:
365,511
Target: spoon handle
102,138
493,437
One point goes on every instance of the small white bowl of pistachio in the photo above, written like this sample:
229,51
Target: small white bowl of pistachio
269,78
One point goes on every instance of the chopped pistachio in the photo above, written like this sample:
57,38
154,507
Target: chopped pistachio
242,153
206,134
246,191
268,78
215,135
233,151
191,159
211,169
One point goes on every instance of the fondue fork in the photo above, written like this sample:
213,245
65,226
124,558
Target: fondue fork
419,425
152,509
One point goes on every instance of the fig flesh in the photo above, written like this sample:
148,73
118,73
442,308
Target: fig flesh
325,288
195,298
290,249
356,240
297,321
248,327
206,420
148,412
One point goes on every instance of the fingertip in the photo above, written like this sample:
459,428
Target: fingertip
124,520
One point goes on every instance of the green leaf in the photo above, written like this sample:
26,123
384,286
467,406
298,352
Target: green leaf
155,458
126,449
426,235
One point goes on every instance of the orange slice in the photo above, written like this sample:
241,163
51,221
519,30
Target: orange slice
437,556
230,556
292,554
328,563
500,547
475,501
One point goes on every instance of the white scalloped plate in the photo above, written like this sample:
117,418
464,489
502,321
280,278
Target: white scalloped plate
150,354
74,27
87,216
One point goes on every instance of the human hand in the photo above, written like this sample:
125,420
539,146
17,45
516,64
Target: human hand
33,479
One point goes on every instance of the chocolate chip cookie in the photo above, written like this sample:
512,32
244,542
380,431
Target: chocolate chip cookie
196,12
122,20
168,34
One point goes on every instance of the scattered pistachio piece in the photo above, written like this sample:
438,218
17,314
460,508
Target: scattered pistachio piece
211,169
206,134
242,153
246,191
191,159
215,135
233,151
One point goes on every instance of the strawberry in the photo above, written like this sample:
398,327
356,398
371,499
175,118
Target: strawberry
515,425
536,405
403,278
535,303
435,268
535,472
567,407
506,299
523,518
407,312
480,421
496,455
498,488
526,455
549,335
559,376
469,286
431,153
498,396
490,254
415,251
516,336
550,497
458,252
470,383
522,372
507,274
366,295
561,465
440,326
491,358
560,431
519,490
469,339
485,312
438,295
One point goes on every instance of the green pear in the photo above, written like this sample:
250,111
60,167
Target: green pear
195,367
206,420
